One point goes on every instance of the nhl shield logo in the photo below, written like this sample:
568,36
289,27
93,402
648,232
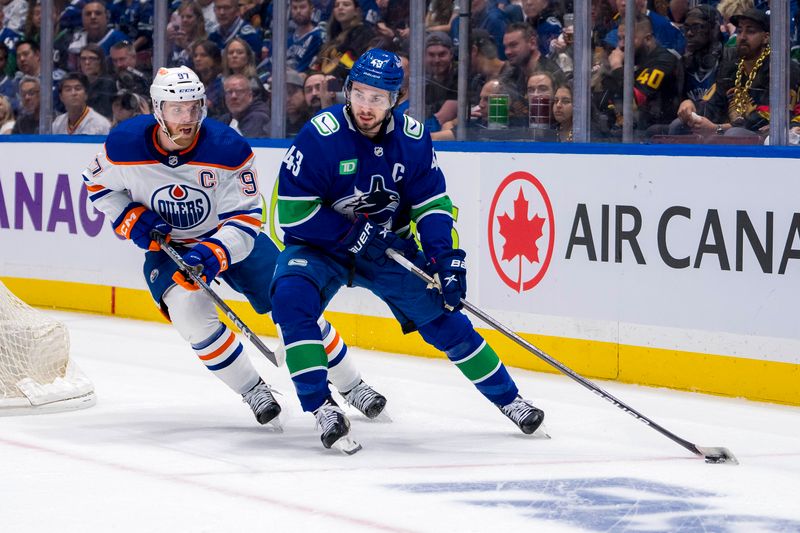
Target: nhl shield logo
378,151
172,160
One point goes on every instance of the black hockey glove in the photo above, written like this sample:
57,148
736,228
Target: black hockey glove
449,270
370,241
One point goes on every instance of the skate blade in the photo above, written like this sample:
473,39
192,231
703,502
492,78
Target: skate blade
382,418
276,424
346,445
541,433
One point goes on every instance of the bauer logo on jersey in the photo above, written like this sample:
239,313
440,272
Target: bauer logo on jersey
182,207
377,201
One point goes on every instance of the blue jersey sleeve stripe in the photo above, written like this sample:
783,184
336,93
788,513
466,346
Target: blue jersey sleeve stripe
99,195
229,214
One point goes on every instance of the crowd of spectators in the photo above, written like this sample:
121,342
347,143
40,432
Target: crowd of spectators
701,67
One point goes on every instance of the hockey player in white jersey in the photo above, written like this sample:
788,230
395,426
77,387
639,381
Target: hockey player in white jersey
193,180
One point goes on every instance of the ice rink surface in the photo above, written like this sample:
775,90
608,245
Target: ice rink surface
168,448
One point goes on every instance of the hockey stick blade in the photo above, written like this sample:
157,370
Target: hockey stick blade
717,455
711,455
220,303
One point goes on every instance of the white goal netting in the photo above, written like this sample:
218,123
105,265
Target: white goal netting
36,374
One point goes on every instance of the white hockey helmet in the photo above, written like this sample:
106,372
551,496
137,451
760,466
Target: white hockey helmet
177,84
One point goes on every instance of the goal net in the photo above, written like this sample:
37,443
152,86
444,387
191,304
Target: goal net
36,373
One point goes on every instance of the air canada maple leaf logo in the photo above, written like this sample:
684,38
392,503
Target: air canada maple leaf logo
521,229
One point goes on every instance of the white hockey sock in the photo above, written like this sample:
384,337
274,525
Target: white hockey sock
194,316
342,371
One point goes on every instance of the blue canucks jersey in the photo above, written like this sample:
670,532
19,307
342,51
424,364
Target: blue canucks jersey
332,173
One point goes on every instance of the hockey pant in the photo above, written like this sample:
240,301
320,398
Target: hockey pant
296,306
195,317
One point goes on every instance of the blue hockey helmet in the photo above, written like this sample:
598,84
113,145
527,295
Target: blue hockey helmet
378,68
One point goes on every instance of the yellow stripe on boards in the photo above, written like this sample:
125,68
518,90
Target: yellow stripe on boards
707,373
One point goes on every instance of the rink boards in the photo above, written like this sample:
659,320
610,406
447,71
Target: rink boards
656,266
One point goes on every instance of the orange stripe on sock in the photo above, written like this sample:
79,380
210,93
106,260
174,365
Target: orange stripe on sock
219,350
329,348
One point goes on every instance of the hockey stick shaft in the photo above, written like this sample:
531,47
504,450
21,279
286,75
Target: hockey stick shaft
194,274
711,454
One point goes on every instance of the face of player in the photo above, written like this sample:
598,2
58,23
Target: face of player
562,106
182,120
369,106
236,56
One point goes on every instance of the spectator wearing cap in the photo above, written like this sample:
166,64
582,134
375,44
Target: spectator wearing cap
297,112
95,30
319,93
80,119
739,105
246,114
701,64
305,42
126,75
231,25
92,64
441,75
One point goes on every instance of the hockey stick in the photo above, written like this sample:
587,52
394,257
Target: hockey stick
711,454
194,273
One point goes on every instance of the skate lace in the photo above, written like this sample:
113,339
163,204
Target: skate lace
259,397
327,417
517,410
361,396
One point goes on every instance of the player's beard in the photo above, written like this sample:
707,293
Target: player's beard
368,121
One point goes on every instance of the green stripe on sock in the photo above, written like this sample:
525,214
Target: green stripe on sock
299,358
480,365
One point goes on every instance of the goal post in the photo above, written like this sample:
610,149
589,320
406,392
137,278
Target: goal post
36,373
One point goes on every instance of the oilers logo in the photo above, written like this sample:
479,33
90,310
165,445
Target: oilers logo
181,206
379,202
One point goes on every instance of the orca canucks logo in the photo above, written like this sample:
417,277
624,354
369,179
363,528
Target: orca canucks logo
181,206
379,202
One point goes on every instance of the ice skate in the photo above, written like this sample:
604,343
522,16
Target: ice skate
335,428
366,399
263,404
527,417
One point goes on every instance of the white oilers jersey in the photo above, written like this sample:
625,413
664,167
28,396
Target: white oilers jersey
207,189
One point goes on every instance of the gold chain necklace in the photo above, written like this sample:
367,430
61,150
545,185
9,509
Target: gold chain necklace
741,93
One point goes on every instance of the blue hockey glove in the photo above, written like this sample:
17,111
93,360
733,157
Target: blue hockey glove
138,223
449,269
368,240
211,255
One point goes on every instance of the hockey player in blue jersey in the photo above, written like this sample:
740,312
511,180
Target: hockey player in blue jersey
350,186
193,180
